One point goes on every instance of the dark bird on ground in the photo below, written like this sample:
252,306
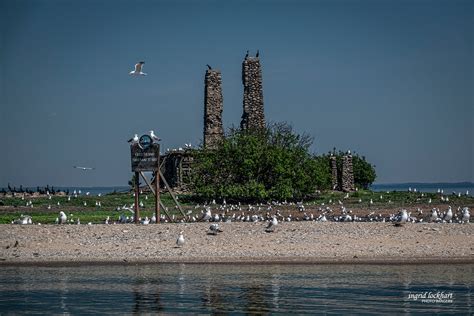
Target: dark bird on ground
208,66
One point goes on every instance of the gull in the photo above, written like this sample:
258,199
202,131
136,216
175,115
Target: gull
138,69
207,216
271,225
62,218
154,137
465,215
214,229
434,215
180,240
146,221
84,168
134,140
449,215
401,218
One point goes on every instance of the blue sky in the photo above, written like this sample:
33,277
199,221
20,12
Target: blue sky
392,80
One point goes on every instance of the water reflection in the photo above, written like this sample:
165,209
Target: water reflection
186,288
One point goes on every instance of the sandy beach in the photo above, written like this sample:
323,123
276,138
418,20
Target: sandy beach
292,242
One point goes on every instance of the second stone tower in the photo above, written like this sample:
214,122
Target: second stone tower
253,116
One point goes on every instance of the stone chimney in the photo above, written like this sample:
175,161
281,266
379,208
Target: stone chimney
347,173
253,116
213,107
333,172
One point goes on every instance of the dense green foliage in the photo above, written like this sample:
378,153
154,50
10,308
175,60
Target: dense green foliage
274,163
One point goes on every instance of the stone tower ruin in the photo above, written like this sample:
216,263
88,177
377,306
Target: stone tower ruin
334,179
347,173
213,106
253,116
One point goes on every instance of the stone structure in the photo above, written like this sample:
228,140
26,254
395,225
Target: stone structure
253,116
334,172
347,180
177,169
213,106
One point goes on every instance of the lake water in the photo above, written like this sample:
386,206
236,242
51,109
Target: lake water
448,188
240,289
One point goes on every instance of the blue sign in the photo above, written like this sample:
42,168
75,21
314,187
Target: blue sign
145,141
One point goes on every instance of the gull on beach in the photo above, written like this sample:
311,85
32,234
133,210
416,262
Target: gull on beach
214,229
180,240
271,225
401,218
62,218
465,215
138,69
434,215
449,215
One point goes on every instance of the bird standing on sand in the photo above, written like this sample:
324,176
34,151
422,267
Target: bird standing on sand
271,225
138,69
434,215
214,229
449,215
401,218
180,240
466,215
62,218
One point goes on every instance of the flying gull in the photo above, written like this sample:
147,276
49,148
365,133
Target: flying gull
138,69
84,168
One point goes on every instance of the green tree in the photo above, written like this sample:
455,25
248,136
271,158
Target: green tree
274,163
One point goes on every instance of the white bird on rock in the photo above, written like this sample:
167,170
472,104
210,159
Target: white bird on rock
138,69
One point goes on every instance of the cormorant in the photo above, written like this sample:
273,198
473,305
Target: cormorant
258,53
247,55
208,66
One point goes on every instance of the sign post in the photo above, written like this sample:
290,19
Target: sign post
145,156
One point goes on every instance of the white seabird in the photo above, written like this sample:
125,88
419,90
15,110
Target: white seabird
214,229
271,225
401,218
180,240
434,215
134,140
62,218
466,215
138,69
154,137
449,215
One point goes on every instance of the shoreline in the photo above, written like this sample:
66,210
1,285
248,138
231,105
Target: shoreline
236,261
239,243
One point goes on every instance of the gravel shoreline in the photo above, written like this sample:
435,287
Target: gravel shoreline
292,242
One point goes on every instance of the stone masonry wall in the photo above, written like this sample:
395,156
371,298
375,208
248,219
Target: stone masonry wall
253,116
334,172
347,173
213,107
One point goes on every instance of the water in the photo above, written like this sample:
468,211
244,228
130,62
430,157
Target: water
448,188
233,288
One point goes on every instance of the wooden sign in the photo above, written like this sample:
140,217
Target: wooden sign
145,155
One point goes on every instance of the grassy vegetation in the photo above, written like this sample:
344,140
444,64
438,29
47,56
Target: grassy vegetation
12,208
45,210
